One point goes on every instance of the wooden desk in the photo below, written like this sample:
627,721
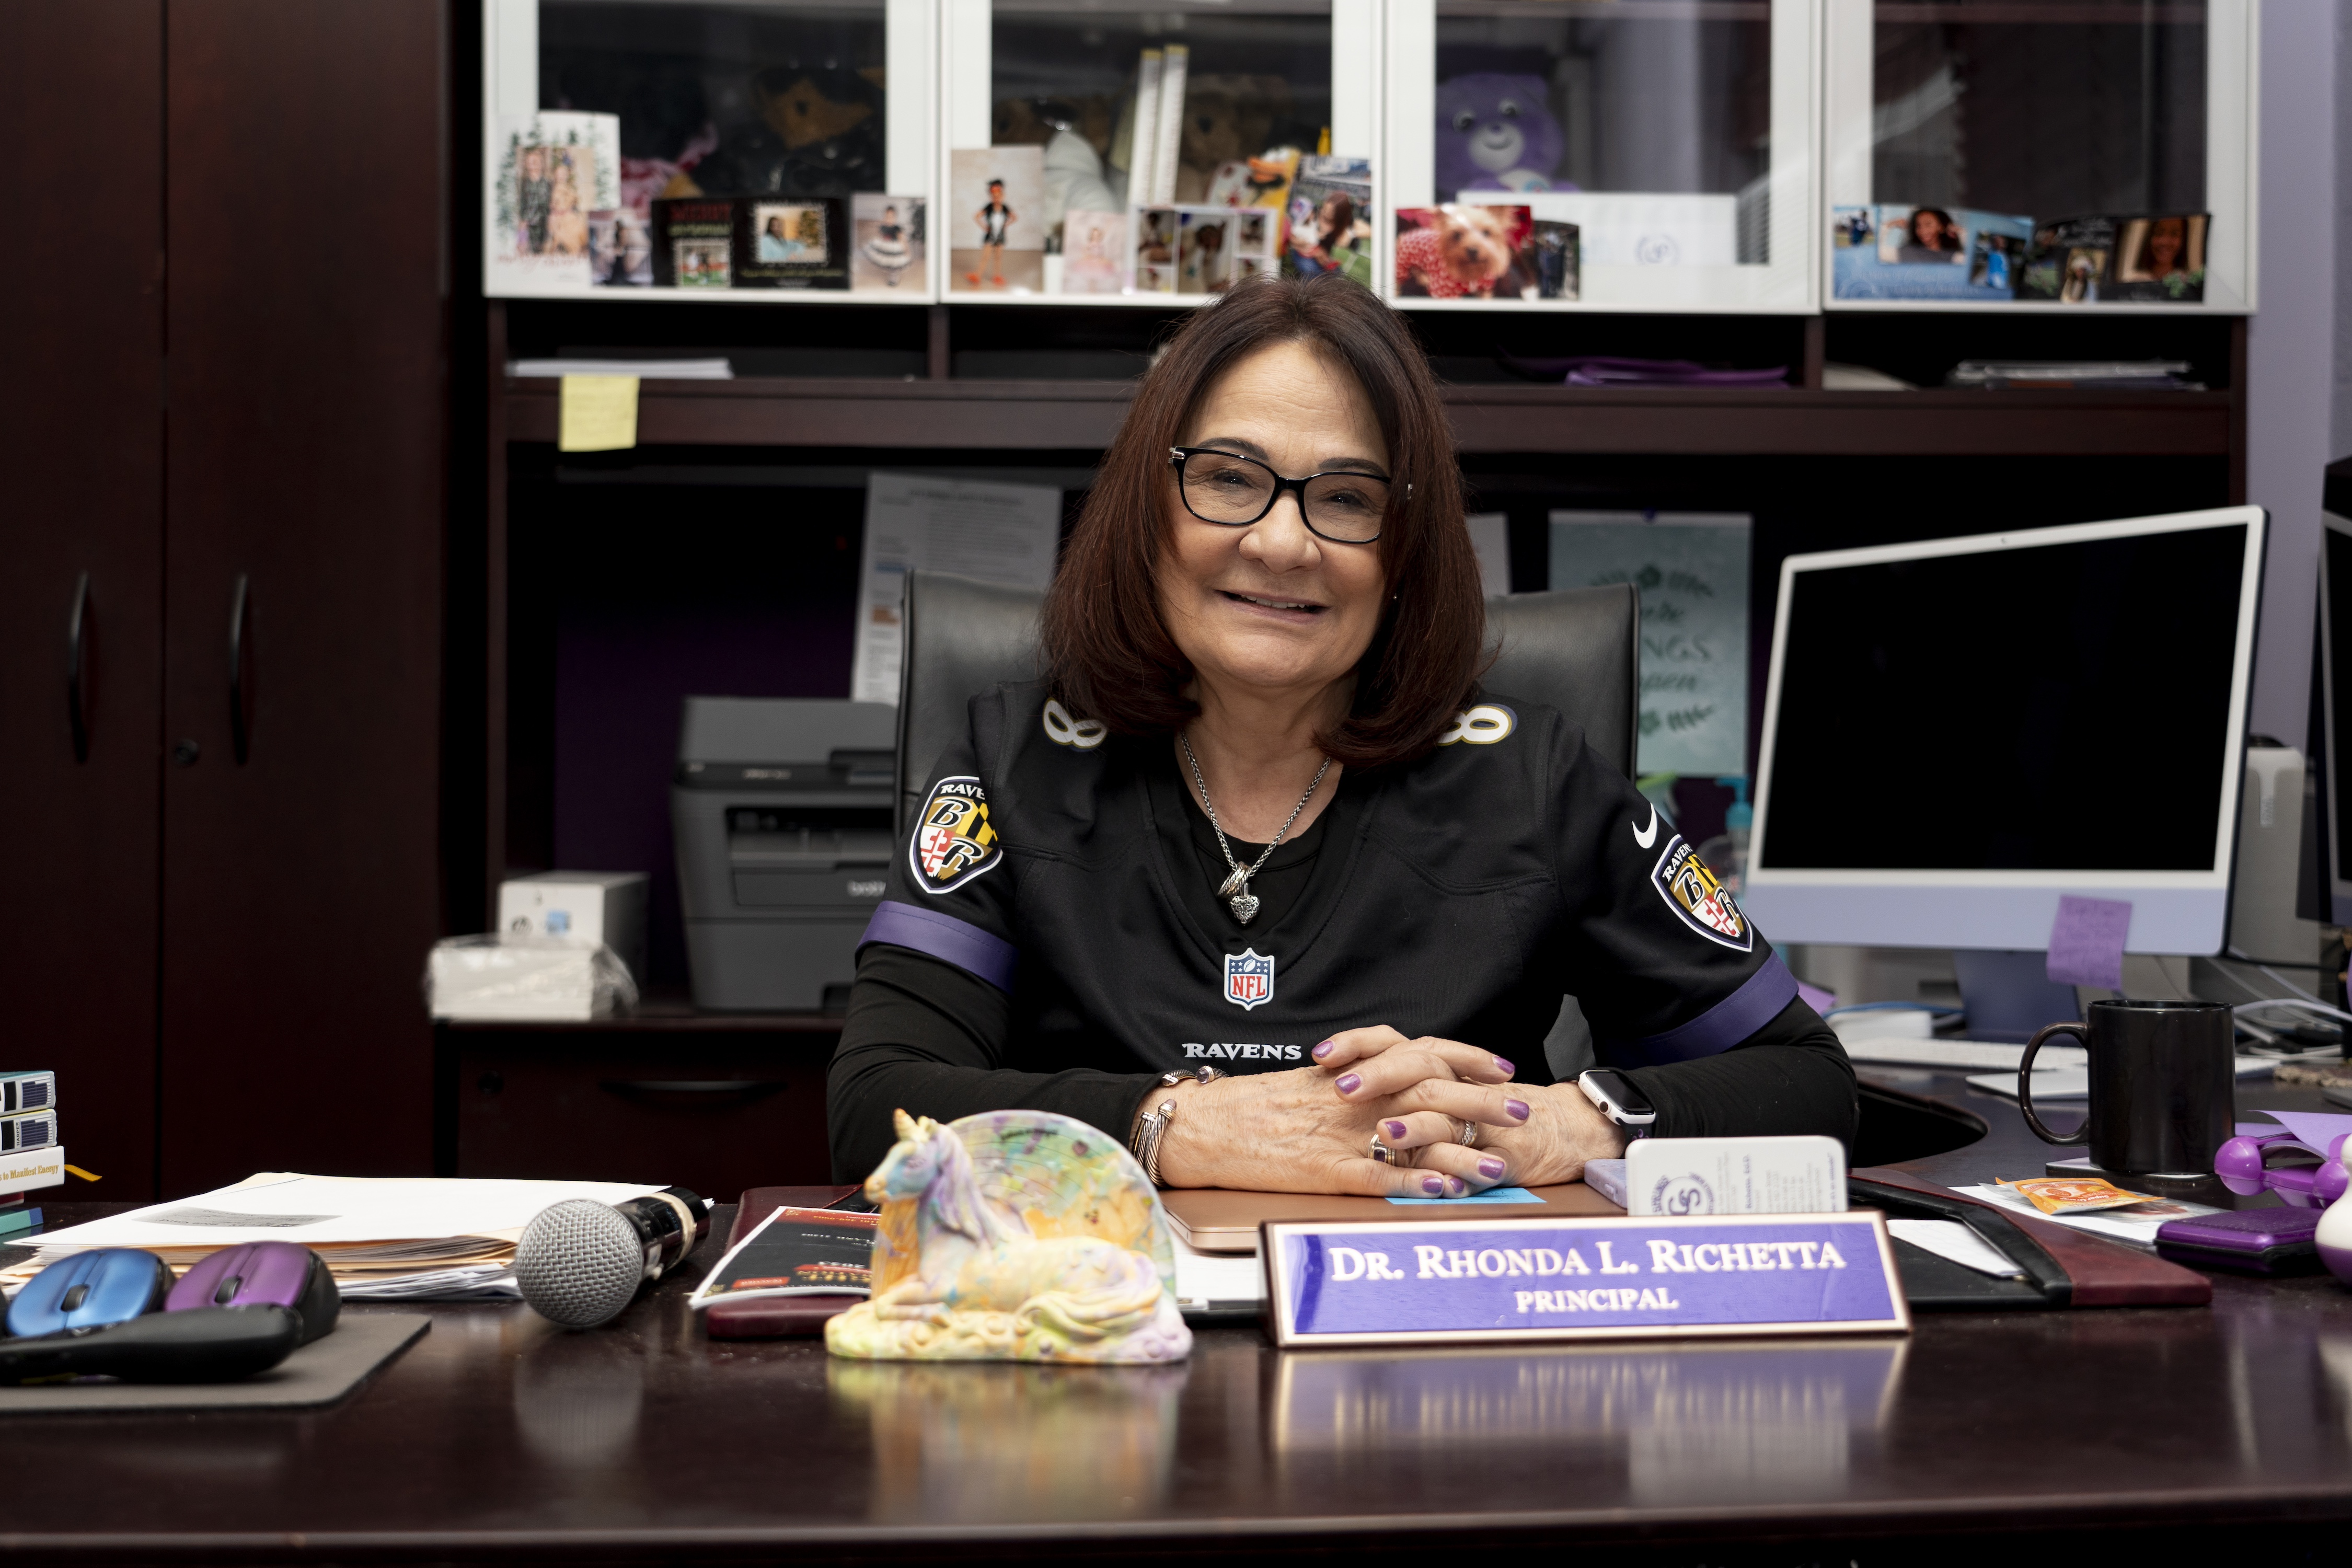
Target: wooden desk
497,1436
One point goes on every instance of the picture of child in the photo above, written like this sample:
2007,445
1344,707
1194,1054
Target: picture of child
996,221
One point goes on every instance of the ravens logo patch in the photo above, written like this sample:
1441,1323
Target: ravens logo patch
1705,904
954,840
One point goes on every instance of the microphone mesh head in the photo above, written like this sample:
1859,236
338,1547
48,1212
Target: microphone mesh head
579,1263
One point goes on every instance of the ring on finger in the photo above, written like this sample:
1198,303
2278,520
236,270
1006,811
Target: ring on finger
1466,1133
1382,1152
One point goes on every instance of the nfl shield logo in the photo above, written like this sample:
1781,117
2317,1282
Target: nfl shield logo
1249,978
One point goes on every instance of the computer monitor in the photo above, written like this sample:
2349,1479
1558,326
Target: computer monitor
2331,740
1957,732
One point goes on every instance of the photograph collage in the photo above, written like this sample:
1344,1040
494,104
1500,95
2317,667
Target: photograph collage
1901,251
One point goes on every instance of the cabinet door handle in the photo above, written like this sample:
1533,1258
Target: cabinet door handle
239,708
77,664
711,1092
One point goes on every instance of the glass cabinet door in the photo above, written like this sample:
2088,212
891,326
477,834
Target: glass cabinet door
750,150
1627,154
1147,151
2058,153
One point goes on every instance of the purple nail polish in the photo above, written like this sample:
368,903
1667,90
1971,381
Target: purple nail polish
1518,1108
1491,1169
1434,1186
1393,1129
1455,1186
1350,1083
1505,1069
1319,1052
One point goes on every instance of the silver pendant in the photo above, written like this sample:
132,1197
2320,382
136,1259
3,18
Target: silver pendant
1237,895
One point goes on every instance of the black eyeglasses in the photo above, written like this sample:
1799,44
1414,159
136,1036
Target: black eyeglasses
1233,491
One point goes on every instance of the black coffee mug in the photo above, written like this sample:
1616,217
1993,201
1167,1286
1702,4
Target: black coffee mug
2164,1082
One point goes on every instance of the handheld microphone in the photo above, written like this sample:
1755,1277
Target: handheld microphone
579,1261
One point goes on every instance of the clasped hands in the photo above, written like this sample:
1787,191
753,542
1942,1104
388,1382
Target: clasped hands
1309,1129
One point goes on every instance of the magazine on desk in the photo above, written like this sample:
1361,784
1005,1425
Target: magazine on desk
795,1252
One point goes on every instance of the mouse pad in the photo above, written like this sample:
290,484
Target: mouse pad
318,1373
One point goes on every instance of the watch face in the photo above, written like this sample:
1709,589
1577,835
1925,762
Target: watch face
1619,1100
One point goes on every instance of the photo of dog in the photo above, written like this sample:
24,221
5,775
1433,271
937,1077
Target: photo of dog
1462,252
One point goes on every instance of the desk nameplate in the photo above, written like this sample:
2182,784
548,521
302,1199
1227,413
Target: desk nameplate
1513,1281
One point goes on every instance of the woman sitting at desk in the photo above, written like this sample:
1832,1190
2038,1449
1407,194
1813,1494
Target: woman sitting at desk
1259,818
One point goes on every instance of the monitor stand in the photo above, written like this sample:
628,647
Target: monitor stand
2009,995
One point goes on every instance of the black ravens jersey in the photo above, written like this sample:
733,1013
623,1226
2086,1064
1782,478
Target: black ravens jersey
1052,867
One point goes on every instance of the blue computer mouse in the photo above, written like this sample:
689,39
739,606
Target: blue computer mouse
89,1290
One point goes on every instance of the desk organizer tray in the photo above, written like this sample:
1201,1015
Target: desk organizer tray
320,1373
2063,1267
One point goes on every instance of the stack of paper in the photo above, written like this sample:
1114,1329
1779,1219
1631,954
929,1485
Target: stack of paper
413,1238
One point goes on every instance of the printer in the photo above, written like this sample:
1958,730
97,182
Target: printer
782,811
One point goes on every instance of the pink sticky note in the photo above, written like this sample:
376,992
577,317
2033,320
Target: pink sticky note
2086,944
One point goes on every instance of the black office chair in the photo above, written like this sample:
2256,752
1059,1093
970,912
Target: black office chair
1575,650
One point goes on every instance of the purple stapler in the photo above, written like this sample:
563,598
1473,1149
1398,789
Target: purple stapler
263,1274
2246,1241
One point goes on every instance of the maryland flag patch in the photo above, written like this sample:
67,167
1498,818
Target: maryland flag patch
1704,905
954,840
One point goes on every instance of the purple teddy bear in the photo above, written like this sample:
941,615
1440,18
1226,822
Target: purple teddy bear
1495,132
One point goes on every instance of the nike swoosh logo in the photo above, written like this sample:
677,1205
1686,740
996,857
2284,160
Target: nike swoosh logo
1645,836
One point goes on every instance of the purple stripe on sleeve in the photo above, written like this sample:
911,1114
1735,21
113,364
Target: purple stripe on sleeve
945,938
1757,1003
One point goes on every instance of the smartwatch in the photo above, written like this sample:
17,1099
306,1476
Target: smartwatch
1618,1098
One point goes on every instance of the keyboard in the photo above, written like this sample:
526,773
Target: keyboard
1971,1055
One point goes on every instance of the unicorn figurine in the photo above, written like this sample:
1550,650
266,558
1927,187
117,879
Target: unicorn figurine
1015,1235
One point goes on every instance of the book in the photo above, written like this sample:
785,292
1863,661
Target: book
19,1221
795,1252
28,1130
1175,65
694,243
1144,150
797,243
27,1090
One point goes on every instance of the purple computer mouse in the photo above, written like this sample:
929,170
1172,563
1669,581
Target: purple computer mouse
263,1274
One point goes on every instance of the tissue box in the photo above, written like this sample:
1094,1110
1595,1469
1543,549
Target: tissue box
580,908
524,979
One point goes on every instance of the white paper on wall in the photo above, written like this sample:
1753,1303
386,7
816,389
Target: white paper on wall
1691,569
979,528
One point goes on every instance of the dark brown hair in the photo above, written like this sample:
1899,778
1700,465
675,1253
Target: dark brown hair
1107,653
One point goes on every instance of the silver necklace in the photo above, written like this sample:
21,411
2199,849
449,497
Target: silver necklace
1234,889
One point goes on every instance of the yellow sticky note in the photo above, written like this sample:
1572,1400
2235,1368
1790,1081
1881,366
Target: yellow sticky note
600,413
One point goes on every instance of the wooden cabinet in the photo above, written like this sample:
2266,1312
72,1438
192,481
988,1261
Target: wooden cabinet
82,444
308,210
223,420
714,1103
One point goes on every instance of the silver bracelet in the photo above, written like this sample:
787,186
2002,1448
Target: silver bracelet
1149,1129
1152,1125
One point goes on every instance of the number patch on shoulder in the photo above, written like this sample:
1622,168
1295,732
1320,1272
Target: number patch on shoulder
1481,726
